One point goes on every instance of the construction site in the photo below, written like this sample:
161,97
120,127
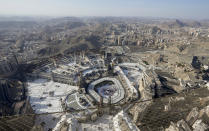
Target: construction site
107,90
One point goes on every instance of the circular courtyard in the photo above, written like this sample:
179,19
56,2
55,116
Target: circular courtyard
107,90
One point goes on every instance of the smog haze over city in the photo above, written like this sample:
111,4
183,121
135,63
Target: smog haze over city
104,65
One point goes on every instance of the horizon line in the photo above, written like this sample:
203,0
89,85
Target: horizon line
98,16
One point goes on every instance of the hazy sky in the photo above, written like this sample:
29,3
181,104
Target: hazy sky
154,8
